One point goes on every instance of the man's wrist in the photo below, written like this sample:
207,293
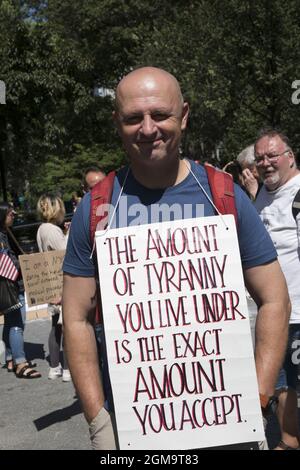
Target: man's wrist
268,403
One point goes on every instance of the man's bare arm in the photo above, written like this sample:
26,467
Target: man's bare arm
79,301
266,284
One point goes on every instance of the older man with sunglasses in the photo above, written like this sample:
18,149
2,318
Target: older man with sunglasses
277,167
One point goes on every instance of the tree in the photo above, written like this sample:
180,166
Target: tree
63,51
236,62
64,177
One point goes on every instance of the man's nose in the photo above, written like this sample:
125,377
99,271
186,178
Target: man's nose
266,162
148,125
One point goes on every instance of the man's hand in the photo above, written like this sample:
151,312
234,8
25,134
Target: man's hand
101,432
66,227
250,183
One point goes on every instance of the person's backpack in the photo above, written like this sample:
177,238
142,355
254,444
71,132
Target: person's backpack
296,205
222,190
221,186
220,183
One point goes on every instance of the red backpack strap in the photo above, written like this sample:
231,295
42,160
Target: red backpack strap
100,194
222,190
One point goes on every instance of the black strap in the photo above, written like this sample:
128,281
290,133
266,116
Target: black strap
296,205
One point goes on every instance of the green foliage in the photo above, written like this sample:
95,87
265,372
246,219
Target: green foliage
235,61
64,176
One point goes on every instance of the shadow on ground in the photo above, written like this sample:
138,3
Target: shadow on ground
58,416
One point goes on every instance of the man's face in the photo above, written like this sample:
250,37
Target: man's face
277,173
92,178
150,119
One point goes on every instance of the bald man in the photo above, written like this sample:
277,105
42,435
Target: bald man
150,115
91,176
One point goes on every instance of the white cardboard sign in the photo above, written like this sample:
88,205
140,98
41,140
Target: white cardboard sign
178,336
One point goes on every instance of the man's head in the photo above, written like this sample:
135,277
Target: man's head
150,115
274,158
247,161
91,177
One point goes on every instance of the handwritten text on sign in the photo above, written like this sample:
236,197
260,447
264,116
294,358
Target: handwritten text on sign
43,277
178,337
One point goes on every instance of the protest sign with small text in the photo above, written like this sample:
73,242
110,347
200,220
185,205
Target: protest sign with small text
43,277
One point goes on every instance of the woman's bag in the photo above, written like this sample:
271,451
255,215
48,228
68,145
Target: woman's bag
9,296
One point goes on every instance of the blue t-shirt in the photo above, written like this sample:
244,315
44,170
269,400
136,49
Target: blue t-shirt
140,205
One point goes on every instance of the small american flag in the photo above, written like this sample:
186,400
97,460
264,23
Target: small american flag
7,267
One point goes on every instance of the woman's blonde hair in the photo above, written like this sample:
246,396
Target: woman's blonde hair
51,209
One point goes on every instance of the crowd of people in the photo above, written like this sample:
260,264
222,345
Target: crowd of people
150,116
52,235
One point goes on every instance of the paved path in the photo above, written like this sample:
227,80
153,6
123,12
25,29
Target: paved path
40,413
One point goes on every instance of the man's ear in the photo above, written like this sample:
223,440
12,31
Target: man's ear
292,159
185,115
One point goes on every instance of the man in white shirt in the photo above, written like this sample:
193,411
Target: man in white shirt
277,167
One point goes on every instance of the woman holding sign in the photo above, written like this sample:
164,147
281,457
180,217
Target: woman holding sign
51,236
14,314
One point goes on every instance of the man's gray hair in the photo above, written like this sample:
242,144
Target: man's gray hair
246,157
273,132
